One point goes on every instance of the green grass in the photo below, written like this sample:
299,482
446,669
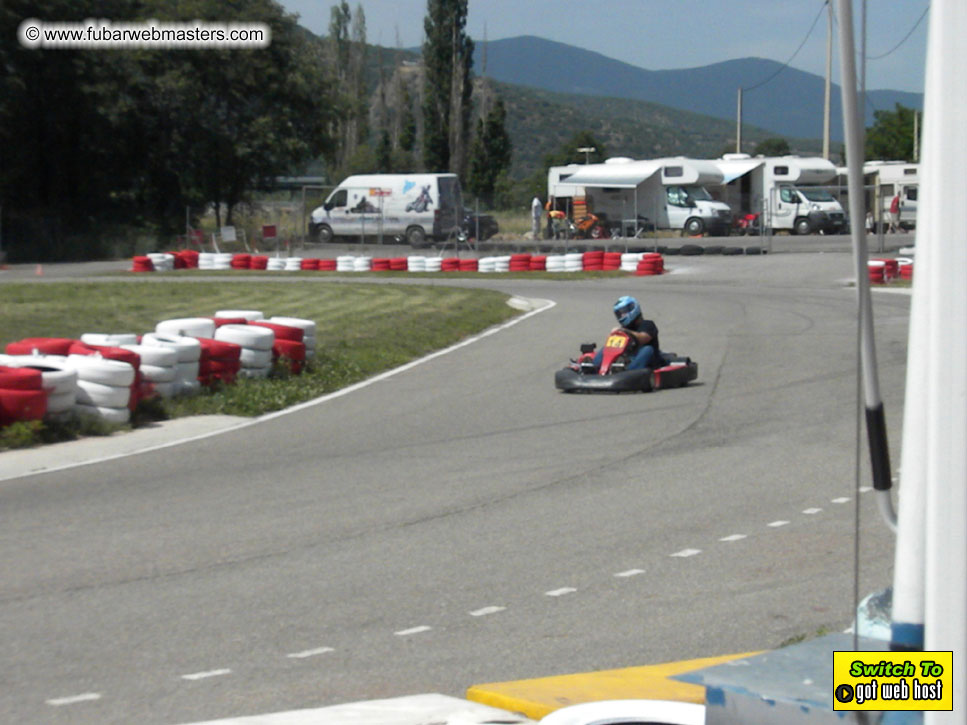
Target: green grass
362,329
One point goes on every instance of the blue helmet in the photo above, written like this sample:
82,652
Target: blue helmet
626,309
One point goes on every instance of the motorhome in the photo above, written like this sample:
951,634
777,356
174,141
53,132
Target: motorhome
667,193
886,179
786,192
417,207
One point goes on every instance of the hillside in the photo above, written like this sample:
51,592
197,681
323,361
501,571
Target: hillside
790,105
540,122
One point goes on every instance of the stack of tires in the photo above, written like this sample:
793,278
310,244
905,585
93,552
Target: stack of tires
247,315
276,264
40,346
380,264
288,346
22,396
520,263
905,266
103,387
416,263
450,264
258,261
220,362
538,263
344,263
162,261
651,263
241,261
59,380
574,262
363,264
188,355
554,263
292,264
629,261
142,263
611,261
159,369
311,265
434,264
255,343
188,326
593,260
469,265
137,389
327,265
877,271
308,328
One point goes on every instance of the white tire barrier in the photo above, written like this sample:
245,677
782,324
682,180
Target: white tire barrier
61,404
206,260
363,264
158,373
111,415
188,349
554,263
154,355
486,265
162,261
187,327
345,263
102,396
255,358
109,340
573,262
434,264
251,336
222,261
629,261
292,264
416,263
250,315
95,369
502,263
275,264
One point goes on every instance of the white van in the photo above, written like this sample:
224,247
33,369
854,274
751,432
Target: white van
418,207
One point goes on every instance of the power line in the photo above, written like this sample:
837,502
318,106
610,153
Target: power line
793,56
905,37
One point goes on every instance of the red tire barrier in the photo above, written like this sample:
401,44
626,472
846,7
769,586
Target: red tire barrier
241,261
327,265
219,349
520,263
612,261
450,264
469,265
380,264
398,264
258,261
20,378
309,264
219,321
291,351
43,345
142,264
282,332
538,263
19,405
189,257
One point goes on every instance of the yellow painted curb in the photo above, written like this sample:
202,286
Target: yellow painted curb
537,697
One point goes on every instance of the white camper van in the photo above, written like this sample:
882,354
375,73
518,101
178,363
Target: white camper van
889,178
784,190
664,193
418,207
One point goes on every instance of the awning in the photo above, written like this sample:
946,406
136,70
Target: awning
620,176
733,169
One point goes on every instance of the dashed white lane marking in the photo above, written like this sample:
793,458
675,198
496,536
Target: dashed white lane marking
310,652
841,499
733,537
777,524
629,572
206,675
74,699
560,592
484,611
811,511
685,553
413,630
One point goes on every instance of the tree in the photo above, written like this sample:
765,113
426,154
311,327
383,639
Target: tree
773,147
490,154
447,61
891,135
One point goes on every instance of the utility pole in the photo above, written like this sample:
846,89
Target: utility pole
829,72
738,124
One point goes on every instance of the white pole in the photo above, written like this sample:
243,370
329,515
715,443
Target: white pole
853,128
944,194
829,78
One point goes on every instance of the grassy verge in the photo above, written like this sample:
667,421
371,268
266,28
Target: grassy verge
362,329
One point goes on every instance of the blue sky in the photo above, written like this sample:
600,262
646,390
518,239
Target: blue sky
663,34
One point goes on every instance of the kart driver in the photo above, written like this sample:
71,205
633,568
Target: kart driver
643,332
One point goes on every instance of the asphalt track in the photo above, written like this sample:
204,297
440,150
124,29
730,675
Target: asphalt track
462,522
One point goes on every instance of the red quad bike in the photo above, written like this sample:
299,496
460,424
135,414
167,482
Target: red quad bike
614,377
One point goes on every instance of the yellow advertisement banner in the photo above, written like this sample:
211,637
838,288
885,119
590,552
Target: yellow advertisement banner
892,681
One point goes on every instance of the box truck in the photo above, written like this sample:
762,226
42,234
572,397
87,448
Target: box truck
668,193
419,208
786,192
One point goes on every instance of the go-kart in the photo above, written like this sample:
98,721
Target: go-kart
614,377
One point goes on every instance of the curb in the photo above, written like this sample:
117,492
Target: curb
536,698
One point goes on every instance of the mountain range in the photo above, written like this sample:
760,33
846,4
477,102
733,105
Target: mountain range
780,99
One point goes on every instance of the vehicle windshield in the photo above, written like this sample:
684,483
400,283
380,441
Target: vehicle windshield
816,194
699,193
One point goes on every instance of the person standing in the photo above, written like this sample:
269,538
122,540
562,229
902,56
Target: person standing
536,211
895,213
